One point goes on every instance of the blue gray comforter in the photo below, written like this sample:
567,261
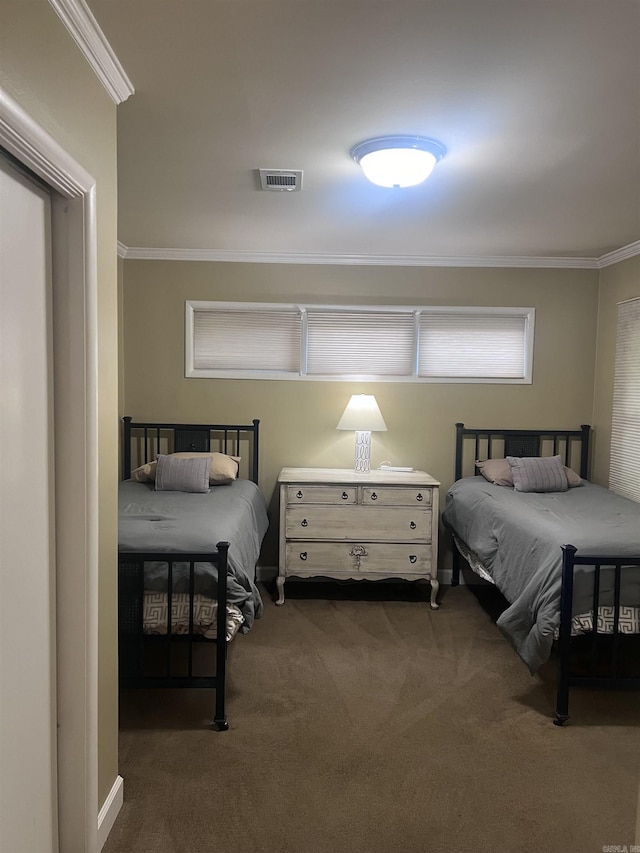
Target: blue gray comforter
517,537
181,521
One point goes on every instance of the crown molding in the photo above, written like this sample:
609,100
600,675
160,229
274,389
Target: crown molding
229,256
618,255
22,137
86,32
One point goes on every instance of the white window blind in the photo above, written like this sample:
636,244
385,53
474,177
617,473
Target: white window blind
624,469
246,340
472,345
350,343
373,343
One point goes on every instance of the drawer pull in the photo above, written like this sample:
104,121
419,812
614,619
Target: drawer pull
412,525
413,558
419,497
358,551
303,555
305,523
345,496
374,496
299,494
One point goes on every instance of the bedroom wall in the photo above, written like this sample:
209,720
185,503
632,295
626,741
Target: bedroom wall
298,419
44,71
617,283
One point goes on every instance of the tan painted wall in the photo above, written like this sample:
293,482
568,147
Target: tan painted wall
298,419
44,71
617,283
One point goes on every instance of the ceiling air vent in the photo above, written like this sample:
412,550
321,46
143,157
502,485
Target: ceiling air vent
281,180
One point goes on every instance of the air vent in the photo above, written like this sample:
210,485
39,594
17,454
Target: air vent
281,180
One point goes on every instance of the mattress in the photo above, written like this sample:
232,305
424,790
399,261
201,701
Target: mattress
517,538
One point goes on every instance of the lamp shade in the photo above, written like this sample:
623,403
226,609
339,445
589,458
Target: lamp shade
362,414
398,161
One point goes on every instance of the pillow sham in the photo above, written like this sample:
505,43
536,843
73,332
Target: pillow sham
145,473
223,468
538,473
182,475
498,471
573,479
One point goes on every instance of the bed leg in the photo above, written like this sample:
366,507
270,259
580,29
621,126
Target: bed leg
562,698
564,640
220,721
221,725
562,703
455,570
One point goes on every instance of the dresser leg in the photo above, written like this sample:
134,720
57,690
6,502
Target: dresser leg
280,587
435,588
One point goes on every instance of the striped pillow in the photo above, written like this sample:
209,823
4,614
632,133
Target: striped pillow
177,474
538,473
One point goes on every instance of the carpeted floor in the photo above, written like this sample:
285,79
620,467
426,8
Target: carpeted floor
363,722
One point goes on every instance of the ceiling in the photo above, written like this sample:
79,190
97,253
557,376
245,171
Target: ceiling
536,101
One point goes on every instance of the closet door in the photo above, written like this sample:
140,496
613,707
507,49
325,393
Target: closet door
28,796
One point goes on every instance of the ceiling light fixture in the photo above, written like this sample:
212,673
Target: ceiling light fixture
398,161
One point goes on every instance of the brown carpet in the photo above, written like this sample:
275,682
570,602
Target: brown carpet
363,722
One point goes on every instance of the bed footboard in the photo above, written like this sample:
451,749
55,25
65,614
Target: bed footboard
137,648
566,677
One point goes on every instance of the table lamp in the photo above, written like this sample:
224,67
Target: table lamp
362,415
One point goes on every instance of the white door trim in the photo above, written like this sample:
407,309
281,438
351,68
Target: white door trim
75,322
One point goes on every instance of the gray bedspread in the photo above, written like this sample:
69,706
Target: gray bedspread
181,521
518,537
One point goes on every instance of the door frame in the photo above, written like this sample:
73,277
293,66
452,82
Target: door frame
75,352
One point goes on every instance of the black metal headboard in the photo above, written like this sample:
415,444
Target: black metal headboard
494,443
143,442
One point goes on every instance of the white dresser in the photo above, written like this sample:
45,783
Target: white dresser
340,523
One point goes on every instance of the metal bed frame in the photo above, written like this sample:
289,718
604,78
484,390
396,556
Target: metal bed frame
498,443
133,644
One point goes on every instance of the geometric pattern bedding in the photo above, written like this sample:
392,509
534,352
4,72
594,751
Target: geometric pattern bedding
205,611
628,622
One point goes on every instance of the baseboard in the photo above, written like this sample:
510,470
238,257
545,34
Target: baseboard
467,577
444,576
266,573
109,811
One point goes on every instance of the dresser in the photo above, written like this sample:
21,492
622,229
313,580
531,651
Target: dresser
344,524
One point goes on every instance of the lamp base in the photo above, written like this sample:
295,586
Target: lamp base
363,451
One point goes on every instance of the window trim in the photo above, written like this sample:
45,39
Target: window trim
192,306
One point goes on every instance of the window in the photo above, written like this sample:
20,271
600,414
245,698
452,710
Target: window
624,468
376,343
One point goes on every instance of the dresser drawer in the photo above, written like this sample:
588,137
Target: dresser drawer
395,496
377,558
350,523
322,494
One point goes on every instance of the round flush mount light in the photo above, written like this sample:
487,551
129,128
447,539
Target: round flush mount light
398,161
